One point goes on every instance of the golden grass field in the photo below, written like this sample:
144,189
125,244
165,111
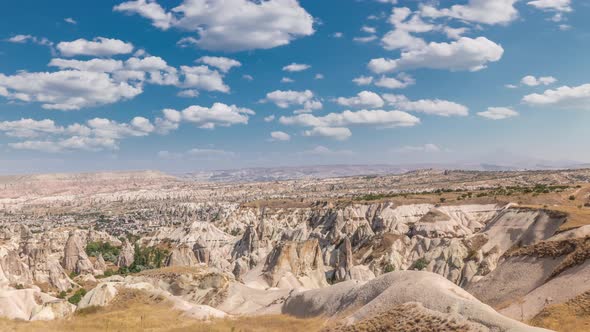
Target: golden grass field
135,311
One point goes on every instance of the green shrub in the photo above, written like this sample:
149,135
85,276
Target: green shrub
420,264
62,295
572,198
77,297
108,251
388,268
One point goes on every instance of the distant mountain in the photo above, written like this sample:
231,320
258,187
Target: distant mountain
265,174
292,173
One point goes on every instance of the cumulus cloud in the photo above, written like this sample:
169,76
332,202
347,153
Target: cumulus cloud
21,39
339,133
94,135
428,106
321,150
404,24
285,99
530,80
203,77
230,25
463,54
477,11
287,80
70,20
222,63
66,90
295,67
280,136
364,99
566,97
363,117
402,81
189,93
204,117
554,5
363,80
197,154
99,46
269,118
429,147
498,113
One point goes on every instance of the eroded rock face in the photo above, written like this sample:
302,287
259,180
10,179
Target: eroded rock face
126,255
100,264
30,304
182,256
75,258
293,264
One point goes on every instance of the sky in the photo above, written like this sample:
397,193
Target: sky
187,85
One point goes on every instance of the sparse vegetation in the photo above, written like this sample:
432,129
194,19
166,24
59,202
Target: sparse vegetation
420,264
108,251
77,297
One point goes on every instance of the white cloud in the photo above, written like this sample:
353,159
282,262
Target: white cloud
284,99
21,39
319,76
269,118
530,80
295,67
463,54
363,80
99,46
29,128
477,11
566,97
402,81
324,151
148,9
400,39
94,65
338,133
498,113
510,86
66,90
364,99
197,154
280,136
379,118
368,29
204,117
189,93
95,135
365,39
338,35
429,147
230,25
202,77
248,77
70,20
222,63
428,106
555,5
454,33
287,80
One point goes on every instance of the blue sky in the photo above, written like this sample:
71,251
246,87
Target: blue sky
210,84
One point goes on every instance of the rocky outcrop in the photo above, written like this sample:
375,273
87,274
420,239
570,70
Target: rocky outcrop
100,264
295,264
75,258
345,261
126,255
352,302
181,256
30,304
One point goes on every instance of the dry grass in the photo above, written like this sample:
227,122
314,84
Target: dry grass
573,315
406,317
136,311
